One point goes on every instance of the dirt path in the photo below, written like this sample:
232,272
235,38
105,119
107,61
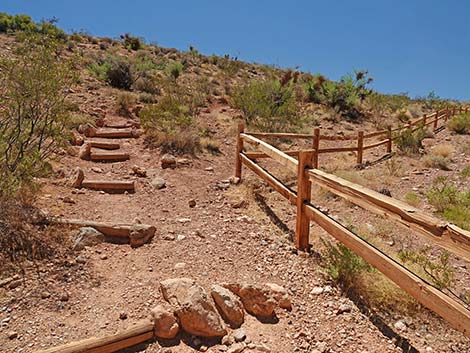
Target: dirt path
109,286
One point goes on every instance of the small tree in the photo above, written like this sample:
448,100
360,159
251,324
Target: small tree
33,108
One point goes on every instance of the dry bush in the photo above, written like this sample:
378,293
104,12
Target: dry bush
444,150
438,162
210,145
125,101
413,199
24,235
460,123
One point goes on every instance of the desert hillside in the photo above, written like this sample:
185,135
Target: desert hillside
119,201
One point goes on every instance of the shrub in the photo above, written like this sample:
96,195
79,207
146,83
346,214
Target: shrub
438,271
439,162
211,145
24,23
169,125
343,265
412,199
130,42
33,108
125,101
119,73
409,141
442,194
229,66
344,95
443,150
267,105
460,123
174,69
465,173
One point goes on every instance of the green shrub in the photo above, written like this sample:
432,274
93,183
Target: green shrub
442,194
460,123
465,173
119,73
33,108
343,265
409,141
24,23
438,270
125,101
267,105
229,66
132,43
174,69
412,199
169,125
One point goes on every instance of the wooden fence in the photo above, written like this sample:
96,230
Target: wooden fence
387,136
446,235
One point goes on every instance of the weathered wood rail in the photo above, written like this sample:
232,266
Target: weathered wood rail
443,234
388,136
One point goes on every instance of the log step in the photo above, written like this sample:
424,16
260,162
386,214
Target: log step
118,125
105,156
114,133
104,145
110,186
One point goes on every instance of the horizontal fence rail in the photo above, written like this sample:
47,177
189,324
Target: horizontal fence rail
388,136
443,234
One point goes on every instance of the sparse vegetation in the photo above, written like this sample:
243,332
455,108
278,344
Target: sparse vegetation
409,141
24,23
460,123
34,111
413,199
125,101
132,43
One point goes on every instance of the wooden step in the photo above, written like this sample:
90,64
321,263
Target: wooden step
118,125
109,186
104,145
106,156
114,133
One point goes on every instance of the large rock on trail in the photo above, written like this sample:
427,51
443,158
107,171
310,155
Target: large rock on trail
77,178
165,323
193,307
85,151
141,234
229,305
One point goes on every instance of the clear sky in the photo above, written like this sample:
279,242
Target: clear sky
413,46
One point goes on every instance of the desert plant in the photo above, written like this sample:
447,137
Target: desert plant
409,141
119,74
439,271
436,161
442,194
33,108
465,173
125,101
460,123
412,199
174,69
342,264
267,105
130,42
24,23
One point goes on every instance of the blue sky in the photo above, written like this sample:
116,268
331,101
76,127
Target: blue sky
412,46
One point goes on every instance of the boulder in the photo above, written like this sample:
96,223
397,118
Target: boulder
85,151
87,236
168,161
257,300
165,323
229,305
140,234
194,309
77,178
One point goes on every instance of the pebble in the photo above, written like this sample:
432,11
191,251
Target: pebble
123,315
12,335
180,265
64,297
239,335
104,257
45,295
192,203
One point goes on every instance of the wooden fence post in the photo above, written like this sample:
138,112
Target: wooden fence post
304,188
424,119
389,137
316,146
238,160
435,119
360,145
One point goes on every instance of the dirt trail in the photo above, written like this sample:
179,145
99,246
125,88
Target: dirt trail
111,286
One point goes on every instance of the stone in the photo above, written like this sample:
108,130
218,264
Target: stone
316,291
168,161
192,203
400,325
280,294
237,348
87,236
386,192
234,180
76,139
192,306
159,183
227,340
12,335
180,265
165,323
45,295
139,171
344,308
140,234
64,297
239,335
257,300
85,151
123,315
77,178
229,306
81,259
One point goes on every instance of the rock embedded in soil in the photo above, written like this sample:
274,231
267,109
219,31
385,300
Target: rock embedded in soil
87,236
168,161
85,151
229,305
141,234
139,171
77,178
159,183
165,323
192,306
256,300
280,294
